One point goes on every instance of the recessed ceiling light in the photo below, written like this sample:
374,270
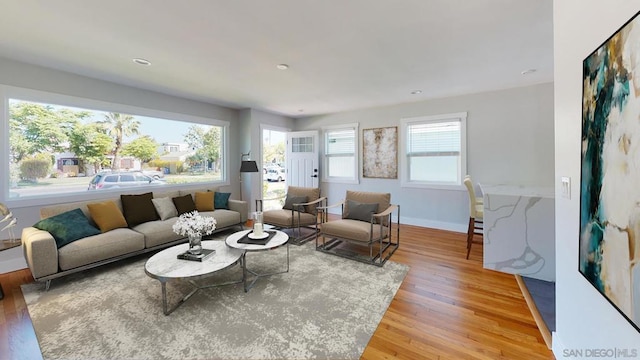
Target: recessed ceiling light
416,92
528,71
300,110
282,66
141,61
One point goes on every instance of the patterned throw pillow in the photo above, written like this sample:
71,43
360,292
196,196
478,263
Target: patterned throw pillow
67,227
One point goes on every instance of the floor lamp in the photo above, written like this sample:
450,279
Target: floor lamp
246,166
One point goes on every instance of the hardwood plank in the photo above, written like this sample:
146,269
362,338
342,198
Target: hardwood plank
446,308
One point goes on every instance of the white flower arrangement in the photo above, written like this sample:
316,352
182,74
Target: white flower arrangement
192,224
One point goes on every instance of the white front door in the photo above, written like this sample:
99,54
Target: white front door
303,159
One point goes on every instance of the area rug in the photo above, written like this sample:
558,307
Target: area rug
325,307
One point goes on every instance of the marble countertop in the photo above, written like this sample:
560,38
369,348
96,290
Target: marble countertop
518,190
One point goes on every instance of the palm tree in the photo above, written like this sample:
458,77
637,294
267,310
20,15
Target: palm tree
120,125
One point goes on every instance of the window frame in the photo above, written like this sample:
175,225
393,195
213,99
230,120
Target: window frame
355,178
404,157
10,92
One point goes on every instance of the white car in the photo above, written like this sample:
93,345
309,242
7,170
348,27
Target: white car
275,174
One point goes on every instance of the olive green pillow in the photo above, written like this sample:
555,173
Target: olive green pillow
360,211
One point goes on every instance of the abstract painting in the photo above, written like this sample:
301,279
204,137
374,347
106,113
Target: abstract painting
380,153
609,249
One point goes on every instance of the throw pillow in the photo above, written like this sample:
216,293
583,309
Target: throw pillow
290,200
184,204
204,201
138,209
360,211
107,216
165,208
221,200
67,227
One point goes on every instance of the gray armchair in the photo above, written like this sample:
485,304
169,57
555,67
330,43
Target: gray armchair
299,213
367,220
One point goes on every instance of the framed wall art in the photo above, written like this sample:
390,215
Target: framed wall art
380,153
609,248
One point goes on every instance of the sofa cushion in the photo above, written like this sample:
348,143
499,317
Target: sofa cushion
221,200
100,247
291,199
165,208
360,211
204,201
184,204
138,209
67,227
107,215
223,217
158,232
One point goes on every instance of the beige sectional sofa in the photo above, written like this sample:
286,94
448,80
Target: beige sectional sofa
46,261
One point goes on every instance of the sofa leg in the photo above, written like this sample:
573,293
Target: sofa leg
47,285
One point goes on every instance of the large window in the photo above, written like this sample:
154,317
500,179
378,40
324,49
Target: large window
340,149
54,148
434,150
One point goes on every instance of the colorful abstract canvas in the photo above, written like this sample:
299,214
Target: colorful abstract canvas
609,250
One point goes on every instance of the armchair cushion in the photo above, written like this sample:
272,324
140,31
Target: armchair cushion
290,200
283,218
312,194
360,211
350,229
382,199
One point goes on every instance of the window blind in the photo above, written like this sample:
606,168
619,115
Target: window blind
434,139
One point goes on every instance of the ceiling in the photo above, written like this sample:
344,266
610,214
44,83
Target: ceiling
342,54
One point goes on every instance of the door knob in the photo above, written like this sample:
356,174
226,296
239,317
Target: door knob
314,176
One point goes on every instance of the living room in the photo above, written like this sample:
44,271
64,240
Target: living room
525,135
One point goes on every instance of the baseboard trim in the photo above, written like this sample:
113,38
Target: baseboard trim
544,330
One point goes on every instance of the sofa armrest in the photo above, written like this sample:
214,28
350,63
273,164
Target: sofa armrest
240,206
40,252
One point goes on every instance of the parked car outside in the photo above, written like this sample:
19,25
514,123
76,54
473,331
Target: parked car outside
276,174
156,174
114,180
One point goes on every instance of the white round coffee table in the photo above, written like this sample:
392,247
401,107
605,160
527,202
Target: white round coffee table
278,240
165,266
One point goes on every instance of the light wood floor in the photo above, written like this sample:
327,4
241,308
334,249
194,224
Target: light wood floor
446,308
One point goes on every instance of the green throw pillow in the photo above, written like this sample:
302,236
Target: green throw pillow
68,227
221,200
360,211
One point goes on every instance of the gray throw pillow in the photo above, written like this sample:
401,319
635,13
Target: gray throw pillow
290,200
165,208
360,211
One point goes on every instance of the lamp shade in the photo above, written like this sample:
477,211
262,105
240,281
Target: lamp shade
248,166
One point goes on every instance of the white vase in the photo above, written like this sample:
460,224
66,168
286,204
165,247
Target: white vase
195,245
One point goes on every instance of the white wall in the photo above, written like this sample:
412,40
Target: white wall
584,319
38,78
509,141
